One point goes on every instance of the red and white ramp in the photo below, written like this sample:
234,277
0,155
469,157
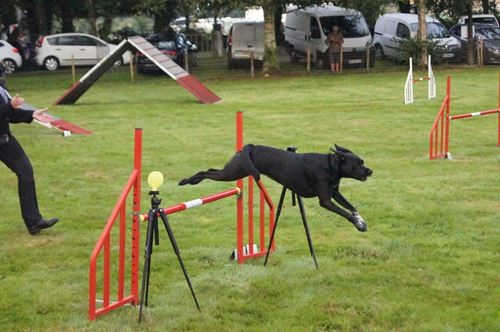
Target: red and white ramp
50,121
168,66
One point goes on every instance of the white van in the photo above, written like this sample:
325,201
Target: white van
392,29
308,29
243,39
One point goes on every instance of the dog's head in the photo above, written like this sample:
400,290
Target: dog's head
350,165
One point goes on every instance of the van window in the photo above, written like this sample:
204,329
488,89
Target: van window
352,26
434,30
402,31
314,28
244,32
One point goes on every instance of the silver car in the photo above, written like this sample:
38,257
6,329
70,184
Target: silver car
81,49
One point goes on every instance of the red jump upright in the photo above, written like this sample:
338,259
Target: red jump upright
104,247
439,138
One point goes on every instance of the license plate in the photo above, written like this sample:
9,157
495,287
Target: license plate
353,61
448,55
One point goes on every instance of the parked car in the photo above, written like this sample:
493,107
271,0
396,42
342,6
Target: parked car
10,57
309,27
62,49
175,46
490,36
480,18
244,38
392,29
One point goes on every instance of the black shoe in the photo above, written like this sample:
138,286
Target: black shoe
42,224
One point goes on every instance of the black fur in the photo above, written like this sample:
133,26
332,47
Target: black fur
307,174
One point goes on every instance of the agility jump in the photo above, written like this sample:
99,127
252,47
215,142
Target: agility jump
104,244
439,138
431,82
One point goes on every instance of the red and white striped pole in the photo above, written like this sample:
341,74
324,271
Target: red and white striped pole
197,202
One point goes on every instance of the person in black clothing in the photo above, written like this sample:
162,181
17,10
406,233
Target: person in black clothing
14,157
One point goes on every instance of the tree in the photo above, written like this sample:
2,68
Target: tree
422,32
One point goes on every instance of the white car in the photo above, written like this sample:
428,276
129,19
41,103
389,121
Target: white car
10,57
62,49
480,18
392,29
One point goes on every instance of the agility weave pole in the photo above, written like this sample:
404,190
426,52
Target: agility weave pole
439,138
431,82
104,244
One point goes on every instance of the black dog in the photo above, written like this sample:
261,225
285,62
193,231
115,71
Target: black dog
307,174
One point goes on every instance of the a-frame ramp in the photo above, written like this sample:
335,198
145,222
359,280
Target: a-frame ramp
189,82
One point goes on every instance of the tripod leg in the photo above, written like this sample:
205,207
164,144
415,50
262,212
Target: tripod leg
293,198
177,252
154,227
306,228
147,261
278,212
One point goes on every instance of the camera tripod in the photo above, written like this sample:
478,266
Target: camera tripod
295,198
152,229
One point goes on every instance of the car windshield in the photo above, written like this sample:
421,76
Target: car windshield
434,30
488,33
351,26
483,20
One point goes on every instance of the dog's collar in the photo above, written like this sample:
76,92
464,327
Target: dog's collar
333,162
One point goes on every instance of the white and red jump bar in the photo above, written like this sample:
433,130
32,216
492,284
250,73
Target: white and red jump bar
196,202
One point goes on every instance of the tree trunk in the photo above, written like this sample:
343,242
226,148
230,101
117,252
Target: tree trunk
422,33
486,6
470,36
187,22
271,61
66,16
7,13
92,17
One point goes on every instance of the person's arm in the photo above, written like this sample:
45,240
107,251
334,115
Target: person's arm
15,113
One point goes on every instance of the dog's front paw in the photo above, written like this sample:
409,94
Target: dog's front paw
359,222
183,182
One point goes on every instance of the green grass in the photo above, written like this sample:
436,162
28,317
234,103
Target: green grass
429,261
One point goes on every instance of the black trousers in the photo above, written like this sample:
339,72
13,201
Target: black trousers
13,155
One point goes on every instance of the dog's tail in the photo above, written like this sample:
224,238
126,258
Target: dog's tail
246,161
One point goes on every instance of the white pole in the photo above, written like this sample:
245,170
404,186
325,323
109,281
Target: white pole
409,85
431,84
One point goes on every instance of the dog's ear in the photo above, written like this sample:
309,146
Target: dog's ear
341,149
339,153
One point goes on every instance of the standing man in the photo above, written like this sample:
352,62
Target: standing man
335,39
14,157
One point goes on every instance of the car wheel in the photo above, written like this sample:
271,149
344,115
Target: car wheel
9,66
51,63
379,52
293,56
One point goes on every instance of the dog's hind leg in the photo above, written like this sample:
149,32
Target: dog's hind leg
238,167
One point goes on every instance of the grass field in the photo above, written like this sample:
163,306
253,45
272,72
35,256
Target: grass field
429,261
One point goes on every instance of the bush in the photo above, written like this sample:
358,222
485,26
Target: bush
412,48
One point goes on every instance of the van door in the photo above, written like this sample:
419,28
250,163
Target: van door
391,46
402,34
316,40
